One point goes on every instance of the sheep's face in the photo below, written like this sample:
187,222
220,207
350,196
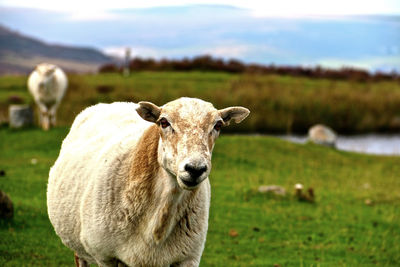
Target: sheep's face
45,72
188,130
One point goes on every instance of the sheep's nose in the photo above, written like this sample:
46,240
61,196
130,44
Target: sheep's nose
195,171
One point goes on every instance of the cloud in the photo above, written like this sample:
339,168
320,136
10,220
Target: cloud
91,15
224,51
221,31
227,51
136,51
287,8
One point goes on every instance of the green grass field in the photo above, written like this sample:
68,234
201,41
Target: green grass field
339,229
279,104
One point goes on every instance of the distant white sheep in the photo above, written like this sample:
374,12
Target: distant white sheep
322,135
131,188
47,84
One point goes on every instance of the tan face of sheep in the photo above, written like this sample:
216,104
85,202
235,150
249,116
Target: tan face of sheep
46,72
188,130
45,69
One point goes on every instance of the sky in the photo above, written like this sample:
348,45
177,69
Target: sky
80,8
283,32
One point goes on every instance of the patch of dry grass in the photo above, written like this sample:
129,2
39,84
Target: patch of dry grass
280,104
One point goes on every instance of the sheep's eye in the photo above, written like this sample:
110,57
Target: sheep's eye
164,123
218,126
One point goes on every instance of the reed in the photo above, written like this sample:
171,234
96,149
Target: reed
278,103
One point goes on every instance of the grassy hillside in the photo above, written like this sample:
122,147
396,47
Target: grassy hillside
354,222
278,103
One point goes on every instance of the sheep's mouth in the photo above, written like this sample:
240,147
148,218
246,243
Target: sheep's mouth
187,185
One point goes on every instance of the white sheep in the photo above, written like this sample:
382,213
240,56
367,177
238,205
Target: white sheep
47,84
322,135
130,188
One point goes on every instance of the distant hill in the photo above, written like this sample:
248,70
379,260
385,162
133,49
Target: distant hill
20,54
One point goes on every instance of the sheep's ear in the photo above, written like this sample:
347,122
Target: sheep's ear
233,113
148,111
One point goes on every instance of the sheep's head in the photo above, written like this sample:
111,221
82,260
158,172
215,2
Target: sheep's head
188,130
46,73
45,69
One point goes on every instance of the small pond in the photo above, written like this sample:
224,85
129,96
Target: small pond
380,144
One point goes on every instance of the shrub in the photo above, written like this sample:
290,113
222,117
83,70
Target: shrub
15,99
104,89
109,68
208,63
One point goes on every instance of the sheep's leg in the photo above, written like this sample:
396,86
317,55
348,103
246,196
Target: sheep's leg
44,119
79,262
52,114
187,263
121,264
42,109
111,262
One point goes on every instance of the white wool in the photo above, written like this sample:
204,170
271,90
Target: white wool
99,210
87,175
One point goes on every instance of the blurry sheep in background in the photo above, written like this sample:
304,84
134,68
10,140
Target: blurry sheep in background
47,84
